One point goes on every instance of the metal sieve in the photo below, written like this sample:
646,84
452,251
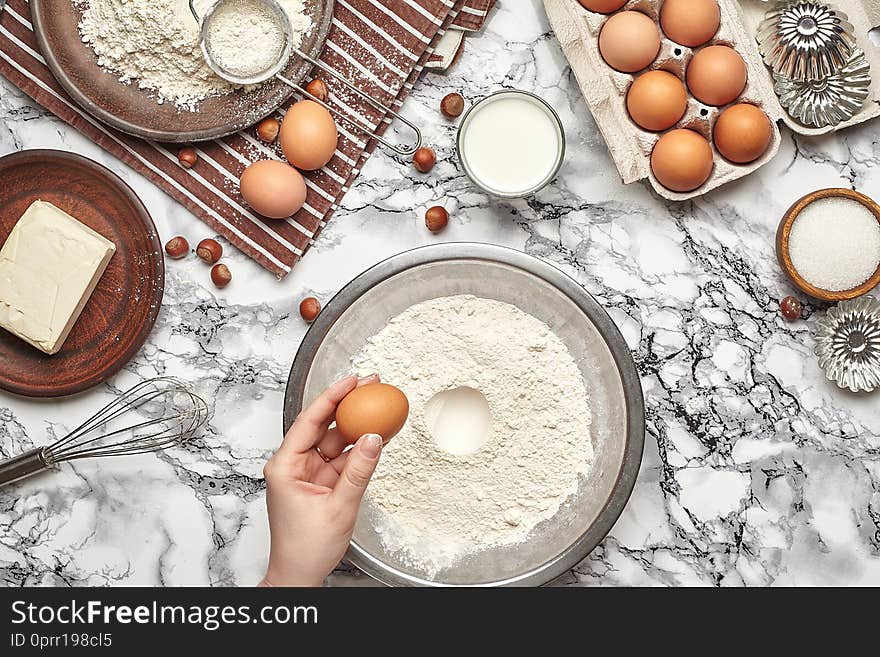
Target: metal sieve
287,50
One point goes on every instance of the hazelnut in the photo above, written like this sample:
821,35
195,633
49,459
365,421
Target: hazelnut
268,129
424,159
209,250
187,157
791,308
436,218
318,88
177,247
452,105
221,275
309,309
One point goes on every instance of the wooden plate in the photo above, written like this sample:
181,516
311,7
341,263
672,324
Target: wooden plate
783,233
122,310
132,110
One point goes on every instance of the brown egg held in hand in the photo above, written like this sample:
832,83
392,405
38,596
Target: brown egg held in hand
629,41
373,408
742,133
308,135
602,6
682,160
690,22
656,100
274,189
716,75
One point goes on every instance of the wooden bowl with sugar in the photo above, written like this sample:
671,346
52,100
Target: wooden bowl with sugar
783,254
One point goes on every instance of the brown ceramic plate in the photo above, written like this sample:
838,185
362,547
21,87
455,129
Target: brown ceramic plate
121,311
132,110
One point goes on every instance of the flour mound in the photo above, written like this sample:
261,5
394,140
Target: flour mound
433,507
155,44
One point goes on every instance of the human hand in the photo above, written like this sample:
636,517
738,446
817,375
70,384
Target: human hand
314,490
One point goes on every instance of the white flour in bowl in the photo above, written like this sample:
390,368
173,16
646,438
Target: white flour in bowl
434,506
155,44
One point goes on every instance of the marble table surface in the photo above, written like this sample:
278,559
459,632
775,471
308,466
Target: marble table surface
756,470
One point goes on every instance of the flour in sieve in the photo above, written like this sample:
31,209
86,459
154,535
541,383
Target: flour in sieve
245,46
155,44
433,507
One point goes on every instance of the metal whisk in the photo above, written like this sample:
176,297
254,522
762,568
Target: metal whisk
169,413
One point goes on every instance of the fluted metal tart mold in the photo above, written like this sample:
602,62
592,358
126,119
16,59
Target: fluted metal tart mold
828,101
848,344
805,40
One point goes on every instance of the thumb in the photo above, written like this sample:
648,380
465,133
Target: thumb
359,467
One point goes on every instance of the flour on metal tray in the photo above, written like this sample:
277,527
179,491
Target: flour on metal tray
434,507
155,44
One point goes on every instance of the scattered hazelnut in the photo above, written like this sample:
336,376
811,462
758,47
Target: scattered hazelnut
791,308
436,218
177,247
424,159
187,157
452,105
309,309
209,250
268,129
318,88
221,275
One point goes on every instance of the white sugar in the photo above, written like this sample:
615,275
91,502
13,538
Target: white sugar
835,243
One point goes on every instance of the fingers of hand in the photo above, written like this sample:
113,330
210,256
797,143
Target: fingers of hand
310,425
332,444
286,471
358,468
372,378
326,476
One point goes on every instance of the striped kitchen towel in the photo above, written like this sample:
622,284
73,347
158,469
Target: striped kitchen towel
472,15
383,45
450,46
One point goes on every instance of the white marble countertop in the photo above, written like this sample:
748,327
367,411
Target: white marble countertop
756,470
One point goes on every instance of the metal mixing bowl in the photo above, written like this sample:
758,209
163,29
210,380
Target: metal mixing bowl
366,304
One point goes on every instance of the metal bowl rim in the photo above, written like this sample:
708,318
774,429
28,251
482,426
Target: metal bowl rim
632,388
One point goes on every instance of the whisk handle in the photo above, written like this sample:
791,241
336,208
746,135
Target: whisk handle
24,465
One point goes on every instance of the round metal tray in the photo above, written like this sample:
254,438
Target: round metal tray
366,304
133,110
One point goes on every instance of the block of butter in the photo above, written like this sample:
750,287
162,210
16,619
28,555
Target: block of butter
49,267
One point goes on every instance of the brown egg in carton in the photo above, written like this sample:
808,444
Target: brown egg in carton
605,88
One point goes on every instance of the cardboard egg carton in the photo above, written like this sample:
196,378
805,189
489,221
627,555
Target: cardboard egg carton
604,88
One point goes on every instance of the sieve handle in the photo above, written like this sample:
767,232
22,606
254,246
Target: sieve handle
24,465
400,150
405,151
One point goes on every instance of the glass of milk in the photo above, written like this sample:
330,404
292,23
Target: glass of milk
511,143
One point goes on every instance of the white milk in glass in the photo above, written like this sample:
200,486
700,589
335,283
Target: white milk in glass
511,144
